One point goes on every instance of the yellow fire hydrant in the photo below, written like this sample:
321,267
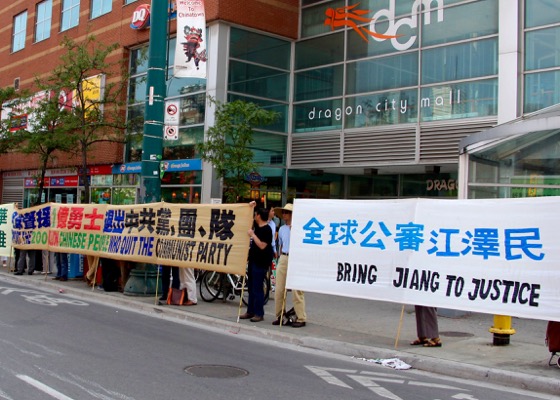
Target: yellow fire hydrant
502,330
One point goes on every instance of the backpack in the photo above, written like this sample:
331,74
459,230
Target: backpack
289,317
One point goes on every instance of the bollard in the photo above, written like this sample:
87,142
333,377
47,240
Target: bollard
502,330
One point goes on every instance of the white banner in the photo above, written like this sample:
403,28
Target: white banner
497,256
190,49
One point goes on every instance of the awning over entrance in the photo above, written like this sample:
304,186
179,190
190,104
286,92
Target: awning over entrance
520,158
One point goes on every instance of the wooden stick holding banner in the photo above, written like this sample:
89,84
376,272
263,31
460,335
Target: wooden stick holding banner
399,328
240,297
93,263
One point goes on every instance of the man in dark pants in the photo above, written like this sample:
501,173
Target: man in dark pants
260,259
25,257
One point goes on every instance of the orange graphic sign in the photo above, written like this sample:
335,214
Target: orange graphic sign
347,16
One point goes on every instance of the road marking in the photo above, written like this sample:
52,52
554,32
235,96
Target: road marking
369,383
463,396
326,376
44,388
5,396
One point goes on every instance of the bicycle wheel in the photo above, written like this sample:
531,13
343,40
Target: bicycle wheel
210,286
266,289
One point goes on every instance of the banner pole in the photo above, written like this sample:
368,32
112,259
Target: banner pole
240,297
399,328
156,300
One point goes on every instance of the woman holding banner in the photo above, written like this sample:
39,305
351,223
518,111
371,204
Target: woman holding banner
426,327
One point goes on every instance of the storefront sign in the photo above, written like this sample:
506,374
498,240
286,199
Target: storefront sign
141,17
352,17
497,256
194,164
129,168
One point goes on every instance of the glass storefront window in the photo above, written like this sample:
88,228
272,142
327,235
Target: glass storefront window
482,21
459,100
181,194
461,61
318,116
319,83
397,107
100,195
541,90
126,179
429,185
382,73
124,195
541,12
281,125
261,49
134,148
542,49
139,60
184,147
182,178
323,50
258,81
192,109
305,185
180,86
269,148
313,19
373,187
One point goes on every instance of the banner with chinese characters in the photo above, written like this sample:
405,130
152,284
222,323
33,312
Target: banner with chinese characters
6,211
499,256
203,236
190,49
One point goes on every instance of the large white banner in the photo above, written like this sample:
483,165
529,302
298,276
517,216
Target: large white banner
497,256
190,49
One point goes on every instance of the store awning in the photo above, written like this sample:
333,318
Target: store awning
539,122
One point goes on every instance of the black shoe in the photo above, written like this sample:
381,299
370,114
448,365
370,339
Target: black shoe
56,278
30,273
257,318
298,324
246,316
276,322
63,279
163,298
18,273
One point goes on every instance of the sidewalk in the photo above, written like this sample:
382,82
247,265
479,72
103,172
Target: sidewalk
363,328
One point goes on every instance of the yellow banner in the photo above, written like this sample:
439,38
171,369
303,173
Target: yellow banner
205,236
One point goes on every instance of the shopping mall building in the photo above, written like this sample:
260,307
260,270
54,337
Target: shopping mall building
375,96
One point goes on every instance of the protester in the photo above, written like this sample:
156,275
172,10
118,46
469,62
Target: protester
61,267
188,282
426,327
282,272
274,228
260,259
26,258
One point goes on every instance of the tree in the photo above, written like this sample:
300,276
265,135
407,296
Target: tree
7,140
46,134
96,112
227,144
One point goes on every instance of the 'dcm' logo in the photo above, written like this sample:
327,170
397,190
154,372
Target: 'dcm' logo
141,17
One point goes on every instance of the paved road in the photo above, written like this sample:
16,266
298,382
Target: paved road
57,346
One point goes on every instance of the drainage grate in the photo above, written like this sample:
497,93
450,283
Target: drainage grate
216,371
456,334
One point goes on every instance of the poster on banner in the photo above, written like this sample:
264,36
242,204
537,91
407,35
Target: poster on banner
6,211
498,256
203,236
190,48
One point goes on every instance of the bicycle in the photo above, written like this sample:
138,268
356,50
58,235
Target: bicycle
214,285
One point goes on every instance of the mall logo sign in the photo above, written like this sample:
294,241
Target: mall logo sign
348,16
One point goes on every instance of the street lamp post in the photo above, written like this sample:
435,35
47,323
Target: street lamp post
143,280
152,144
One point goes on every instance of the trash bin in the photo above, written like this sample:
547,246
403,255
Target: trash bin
75,265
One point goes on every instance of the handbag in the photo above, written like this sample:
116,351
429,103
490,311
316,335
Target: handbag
176,297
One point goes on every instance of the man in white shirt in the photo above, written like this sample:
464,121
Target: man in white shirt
282,272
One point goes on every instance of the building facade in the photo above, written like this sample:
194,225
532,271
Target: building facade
374,96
